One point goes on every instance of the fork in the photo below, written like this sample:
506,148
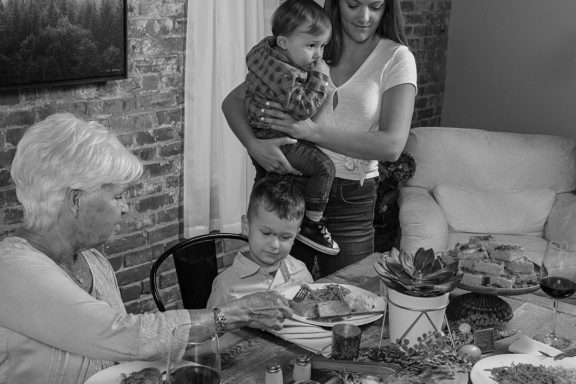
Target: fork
301,294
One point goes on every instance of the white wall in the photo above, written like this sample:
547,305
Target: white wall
512,66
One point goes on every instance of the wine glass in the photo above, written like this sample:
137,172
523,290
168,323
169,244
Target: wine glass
557,278
194,357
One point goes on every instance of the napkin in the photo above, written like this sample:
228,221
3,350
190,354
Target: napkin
310,337
528,345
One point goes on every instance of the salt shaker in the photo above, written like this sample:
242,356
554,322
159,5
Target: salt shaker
273,374
302,369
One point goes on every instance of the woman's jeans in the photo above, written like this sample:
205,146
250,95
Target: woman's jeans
350,213
317,171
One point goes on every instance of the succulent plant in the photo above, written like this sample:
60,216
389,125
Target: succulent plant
422,274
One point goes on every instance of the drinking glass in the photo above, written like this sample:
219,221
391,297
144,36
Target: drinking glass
194,356
557,278
346,340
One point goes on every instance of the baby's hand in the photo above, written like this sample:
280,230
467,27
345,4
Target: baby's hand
321,66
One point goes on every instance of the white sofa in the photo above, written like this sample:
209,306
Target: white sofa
517,187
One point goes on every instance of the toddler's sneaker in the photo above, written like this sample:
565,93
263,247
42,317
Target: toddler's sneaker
316,235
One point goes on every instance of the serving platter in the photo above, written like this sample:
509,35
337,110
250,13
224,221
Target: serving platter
379,305
113,374
480,373
484,290
448,256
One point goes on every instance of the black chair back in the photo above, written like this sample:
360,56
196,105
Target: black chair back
195,262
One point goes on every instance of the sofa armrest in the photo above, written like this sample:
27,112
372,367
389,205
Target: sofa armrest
422,222
561,222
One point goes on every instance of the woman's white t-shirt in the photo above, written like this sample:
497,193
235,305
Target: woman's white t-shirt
359,101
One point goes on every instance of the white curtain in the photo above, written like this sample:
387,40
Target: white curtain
217,172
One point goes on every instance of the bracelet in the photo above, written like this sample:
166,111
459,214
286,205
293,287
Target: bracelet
220,320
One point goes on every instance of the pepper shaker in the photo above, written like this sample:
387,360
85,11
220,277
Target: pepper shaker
302,369
273,374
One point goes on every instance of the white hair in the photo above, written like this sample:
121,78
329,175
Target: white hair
64,152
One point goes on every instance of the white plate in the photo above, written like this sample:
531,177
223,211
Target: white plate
480,375
379,305
113,374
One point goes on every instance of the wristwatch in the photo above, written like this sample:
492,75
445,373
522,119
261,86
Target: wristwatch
220,320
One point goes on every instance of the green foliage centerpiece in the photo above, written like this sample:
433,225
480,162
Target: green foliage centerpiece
422,274
418,287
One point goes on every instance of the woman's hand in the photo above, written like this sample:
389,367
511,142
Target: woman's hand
268,154
280,121
263,310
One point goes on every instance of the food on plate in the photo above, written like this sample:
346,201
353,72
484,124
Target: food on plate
523,373
486,242
487,263
145,376
488,267
507,252
331,300
332,307
468,253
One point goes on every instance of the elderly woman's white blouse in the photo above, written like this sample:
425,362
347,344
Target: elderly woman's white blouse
53,332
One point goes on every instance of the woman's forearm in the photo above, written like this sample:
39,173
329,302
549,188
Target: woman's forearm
233,109
388,142
378,145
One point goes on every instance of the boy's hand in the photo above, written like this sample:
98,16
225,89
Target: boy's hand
321,66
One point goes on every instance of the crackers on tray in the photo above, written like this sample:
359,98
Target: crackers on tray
484,262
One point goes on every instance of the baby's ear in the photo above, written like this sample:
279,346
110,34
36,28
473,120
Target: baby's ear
245,226
281,42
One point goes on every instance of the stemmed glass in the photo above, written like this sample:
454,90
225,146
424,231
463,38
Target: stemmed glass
195,356
557,278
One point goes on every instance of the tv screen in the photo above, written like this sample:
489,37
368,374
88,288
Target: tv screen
57,42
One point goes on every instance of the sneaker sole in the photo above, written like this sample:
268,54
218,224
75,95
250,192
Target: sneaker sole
318,247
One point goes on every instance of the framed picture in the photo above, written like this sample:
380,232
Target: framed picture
58,42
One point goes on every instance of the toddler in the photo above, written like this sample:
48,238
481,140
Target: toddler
288,68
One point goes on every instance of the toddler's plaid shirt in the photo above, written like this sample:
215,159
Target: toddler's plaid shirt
271,77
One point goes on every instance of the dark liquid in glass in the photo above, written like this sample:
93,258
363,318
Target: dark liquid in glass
557,287
195,375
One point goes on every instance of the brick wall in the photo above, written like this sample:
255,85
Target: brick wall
146,112
427,24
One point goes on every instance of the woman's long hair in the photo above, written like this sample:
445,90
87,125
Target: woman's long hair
391,27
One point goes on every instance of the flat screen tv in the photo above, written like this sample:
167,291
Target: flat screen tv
58,42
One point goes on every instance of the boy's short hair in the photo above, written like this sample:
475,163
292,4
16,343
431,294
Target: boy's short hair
293,14
281,197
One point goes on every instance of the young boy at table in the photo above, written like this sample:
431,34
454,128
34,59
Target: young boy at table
274,216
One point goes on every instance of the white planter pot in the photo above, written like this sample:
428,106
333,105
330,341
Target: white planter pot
411,317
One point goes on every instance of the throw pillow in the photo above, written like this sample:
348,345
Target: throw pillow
561,224
515,212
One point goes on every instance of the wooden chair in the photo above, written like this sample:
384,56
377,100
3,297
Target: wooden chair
195,262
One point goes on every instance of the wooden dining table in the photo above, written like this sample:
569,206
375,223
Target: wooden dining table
246,352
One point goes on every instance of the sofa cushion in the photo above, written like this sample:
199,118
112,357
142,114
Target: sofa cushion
488,159
422,222
516,212
561,223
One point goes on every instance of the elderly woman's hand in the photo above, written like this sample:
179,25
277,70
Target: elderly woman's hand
264,310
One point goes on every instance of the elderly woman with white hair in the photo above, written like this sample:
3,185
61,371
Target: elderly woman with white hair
61,314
